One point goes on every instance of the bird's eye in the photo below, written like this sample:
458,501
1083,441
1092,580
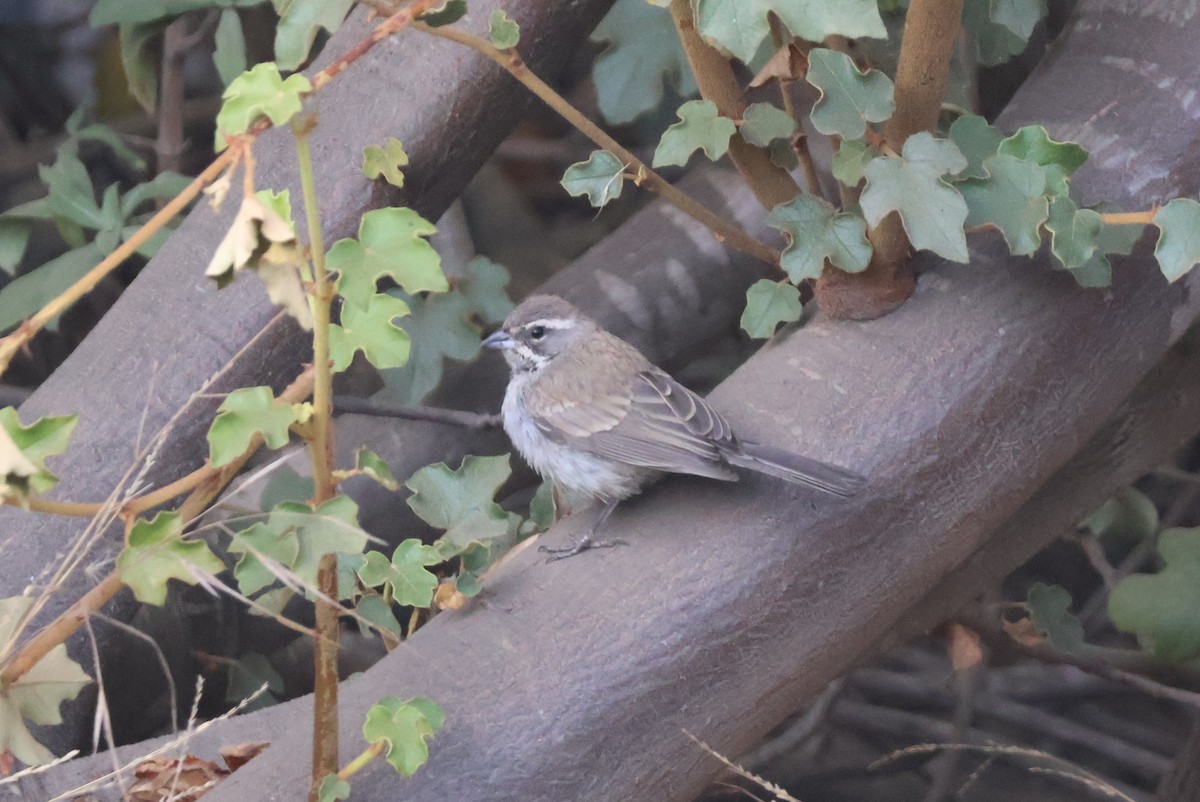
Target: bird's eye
537,332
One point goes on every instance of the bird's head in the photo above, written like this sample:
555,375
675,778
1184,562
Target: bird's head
539,330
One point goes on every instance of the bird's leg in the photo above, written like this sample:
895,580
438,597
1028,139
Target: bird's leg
584,543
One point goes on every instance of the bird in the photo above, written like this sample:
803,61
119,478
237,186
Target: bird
591,414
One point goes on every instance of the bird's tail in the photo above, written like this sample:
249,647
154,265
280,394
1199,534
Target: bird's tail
795,468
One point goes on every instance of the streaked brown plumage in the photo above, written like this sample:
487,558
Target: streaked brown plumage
588,411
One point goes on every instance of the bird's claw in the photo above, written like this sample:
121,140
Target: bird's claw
585,543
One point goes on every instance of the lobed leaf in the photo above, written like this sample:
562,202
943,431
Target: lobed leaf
932,212
405,725
700,127
741,26
372,330
385,161
600,178
259,92
244,413
768,304
816,231
1178,246
643,54
1163,609
849,98
391,244
1011,198
503,30
24,450
155,552
461,501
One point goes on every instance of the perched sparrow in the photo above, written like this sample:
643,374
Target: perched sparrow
589,412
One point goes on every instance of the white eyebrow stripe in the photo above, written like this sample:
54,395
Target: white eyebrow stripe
552,323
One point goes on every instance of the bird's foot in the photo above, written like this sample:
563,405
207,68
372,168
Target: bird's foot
584,544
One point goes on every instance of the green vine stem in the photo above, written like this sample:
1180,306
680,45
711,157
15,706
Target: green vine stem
511,61
770,183
320,296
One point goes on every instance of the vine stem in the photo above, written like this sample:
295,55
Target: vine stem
320,444
13,343
714,75
1129,218
355,766
511,61
208,483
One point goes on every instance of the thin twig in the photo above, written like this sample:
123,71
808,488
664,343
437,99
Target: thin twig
450,417
511,61
778,791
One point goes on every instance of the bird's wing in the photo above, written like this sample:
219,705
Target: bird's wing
656,423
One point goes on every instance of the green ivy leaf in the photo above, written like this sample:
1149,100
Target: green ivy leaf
385,161
445,327
1178,246
295,528
995,43
1050,611
1011,199
244,413
377,612
1019,16
259,92
1128,517
333,789
391,243
764,123
600,178
849,98
1163,609
503,30
299,23
156,552
405,725
229,54
932,211
485,288
1074,233
247,674
461,502
448,12
1059,159
262,540
768,304
741,26
368,463
643,52
371,330
700,127
816,231
37,694
851,160
977,140
24,449
404,576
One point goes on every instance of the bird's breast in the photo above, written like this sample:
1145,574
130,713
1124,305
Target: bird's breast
572,469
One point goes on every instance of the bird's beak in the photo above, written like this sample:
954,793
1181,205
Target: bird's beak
500,340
